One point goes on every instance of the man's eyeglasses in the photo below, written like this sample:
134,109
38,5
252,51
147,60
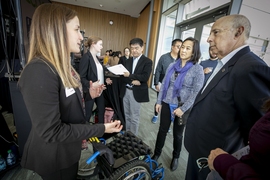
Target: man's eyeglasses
202,163
178,46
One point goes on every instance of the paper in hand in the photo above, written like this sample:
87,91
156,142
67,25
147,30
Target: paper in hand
118,69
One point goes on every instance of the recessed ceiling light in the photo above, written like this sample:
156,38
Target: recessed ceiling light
101,5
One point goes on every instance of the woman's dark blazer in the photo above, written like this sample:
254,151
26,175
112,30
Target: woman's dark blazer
88,72
57,117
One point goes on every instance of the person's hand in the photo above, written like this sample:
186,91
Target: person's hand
207,70
158,108
213,154
126,74
136,82
157,88
114,126
97,84
95,89
108,81
178,112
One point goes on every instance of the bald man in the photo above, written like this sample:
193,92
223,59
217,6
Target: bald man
231,100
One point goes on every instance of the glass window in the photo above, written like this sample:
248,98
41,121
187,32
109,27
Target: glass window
195,8
165,36
168,34
188,33
204,45
167,4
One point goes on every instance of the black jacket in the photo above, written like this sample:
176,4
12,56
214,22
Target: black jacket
141,73
57,120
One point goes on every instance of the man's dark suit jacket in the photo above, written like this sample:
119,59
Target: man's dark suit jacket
141,73
224,113
57,120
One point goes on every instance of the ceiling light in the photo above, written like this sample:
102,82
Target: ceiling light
101,5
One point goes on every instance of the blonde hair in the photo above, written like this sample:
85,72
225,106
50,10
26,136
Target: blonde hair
92,40
49,40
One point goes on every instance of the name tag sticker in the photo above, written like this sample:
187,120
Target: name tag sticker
69,91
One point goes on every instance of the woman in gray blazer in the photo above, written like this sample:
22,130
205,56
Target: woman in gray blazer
183,80
52,93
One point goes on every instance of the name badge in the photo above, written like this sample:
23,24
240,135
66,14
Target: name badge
69,91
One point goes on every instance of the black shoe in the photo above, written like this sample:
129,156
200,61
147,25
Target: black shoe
155,157
174,164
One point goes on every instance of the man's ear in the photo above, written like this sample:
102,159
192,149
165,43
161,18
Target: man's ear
239,31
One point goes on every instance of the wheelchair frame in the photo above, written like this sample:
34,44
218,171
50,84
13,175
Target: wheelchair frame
131,160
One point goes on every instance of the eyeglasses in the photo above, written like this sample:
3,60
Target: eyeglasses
202,163
178,46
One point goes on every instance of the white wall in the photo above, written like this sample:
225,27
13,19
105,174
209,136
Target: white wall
258,12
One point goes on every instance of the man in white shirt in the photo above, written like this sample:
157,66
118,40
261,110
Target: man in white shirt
134,88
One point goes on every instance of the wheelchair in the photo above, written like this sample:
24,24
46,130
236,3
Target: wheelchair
122,157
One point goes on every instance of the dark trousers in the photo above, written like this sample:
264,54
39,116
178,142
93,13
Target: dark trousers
165,122
69,173
193,171
155,112
100,106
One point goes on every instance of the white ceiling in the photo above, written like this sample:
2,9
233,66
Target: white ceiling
127,7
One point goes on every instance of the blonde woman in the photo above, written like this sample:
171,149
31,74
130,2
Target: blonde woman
52,91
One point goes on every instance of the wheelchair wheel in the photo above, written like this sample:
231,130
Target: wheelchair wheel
136,169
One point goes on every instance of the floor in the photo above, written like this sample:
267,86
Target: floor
147,132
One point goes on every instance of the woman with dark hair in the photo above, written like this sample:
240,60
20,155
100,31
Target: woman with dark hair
181,84
114,59
254,165
125,57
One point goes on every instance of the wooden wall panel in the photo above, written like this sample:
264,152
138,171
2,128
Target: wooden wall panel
142,25
155,29
154,33
96,23
116,37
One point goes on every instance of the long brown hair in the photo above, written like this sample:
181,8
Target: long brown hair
49,40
